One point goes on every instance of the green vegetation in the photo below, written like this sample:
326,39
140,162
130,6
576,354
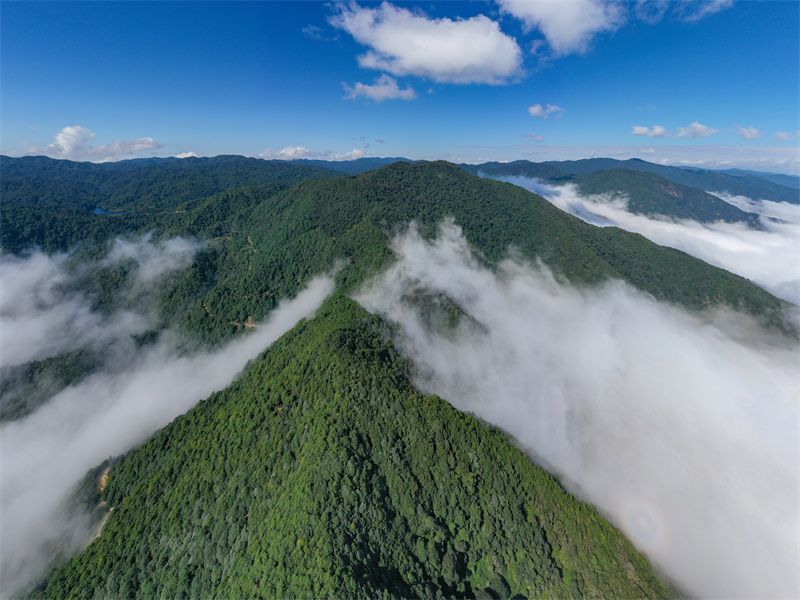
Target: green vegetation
649,194
752,185
322,472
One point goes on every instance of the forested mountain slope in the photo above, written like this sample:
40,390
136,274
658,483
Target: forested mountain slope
650,194
52,203
263,242
745,184
322,472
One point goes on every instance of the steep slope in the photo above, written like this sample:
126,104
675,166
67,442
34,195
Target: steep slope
748,185
649,194
323,473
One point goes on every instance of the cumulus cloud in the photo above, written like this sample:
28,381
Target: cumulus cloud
45,454
696,130
681,428
72,143
568,25
654,131
42,314
767,257
748,133
384,88
544,111
403,42
186,155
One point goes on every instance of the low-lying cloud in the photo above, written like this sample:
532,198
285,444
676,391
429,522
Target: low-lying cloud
45,454
682,428
43,313
768,257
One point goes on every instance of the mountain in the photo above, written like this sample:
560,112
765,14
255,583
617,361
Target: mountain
355,166
51,203
752,186
651,194
791,181
322,471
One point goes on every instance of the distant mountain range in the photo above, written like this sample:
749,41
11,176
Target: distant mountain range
652,189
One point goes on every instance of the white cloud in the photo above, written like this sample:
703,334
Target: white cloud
384,88
541,111
41,314
72,143
655,415
654,131
291,153
352,155
748,133
767,257
186,155
301,152
653,11
403,42
568,25
696,130
704,8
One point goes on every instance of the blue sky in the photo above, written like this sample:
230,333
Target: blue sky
273,79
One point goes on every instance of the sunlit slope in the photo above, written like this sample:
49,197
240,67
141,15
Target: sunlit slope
650,194
303,229
322,472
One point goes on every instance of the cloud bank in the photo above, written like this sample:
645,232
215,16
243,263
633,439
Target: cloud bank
768,257
44,455
682,429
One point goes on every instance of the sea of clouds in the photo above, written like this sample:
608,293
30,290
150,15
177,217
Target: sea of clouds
770,257
681,427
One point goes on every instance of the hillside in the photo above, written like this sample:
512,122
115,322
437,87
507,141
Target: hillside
330,476
264,241
52,203
649,194
744,184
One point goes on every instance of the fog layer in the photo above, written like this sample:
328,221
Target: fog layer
769,257
43,314
46,453
682,428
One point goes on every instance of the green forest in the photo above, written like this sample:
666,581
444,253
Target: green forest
322,471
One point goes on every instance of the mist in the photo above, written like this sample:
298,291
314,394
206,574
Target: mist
769,257
43,312
682,428
45,454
